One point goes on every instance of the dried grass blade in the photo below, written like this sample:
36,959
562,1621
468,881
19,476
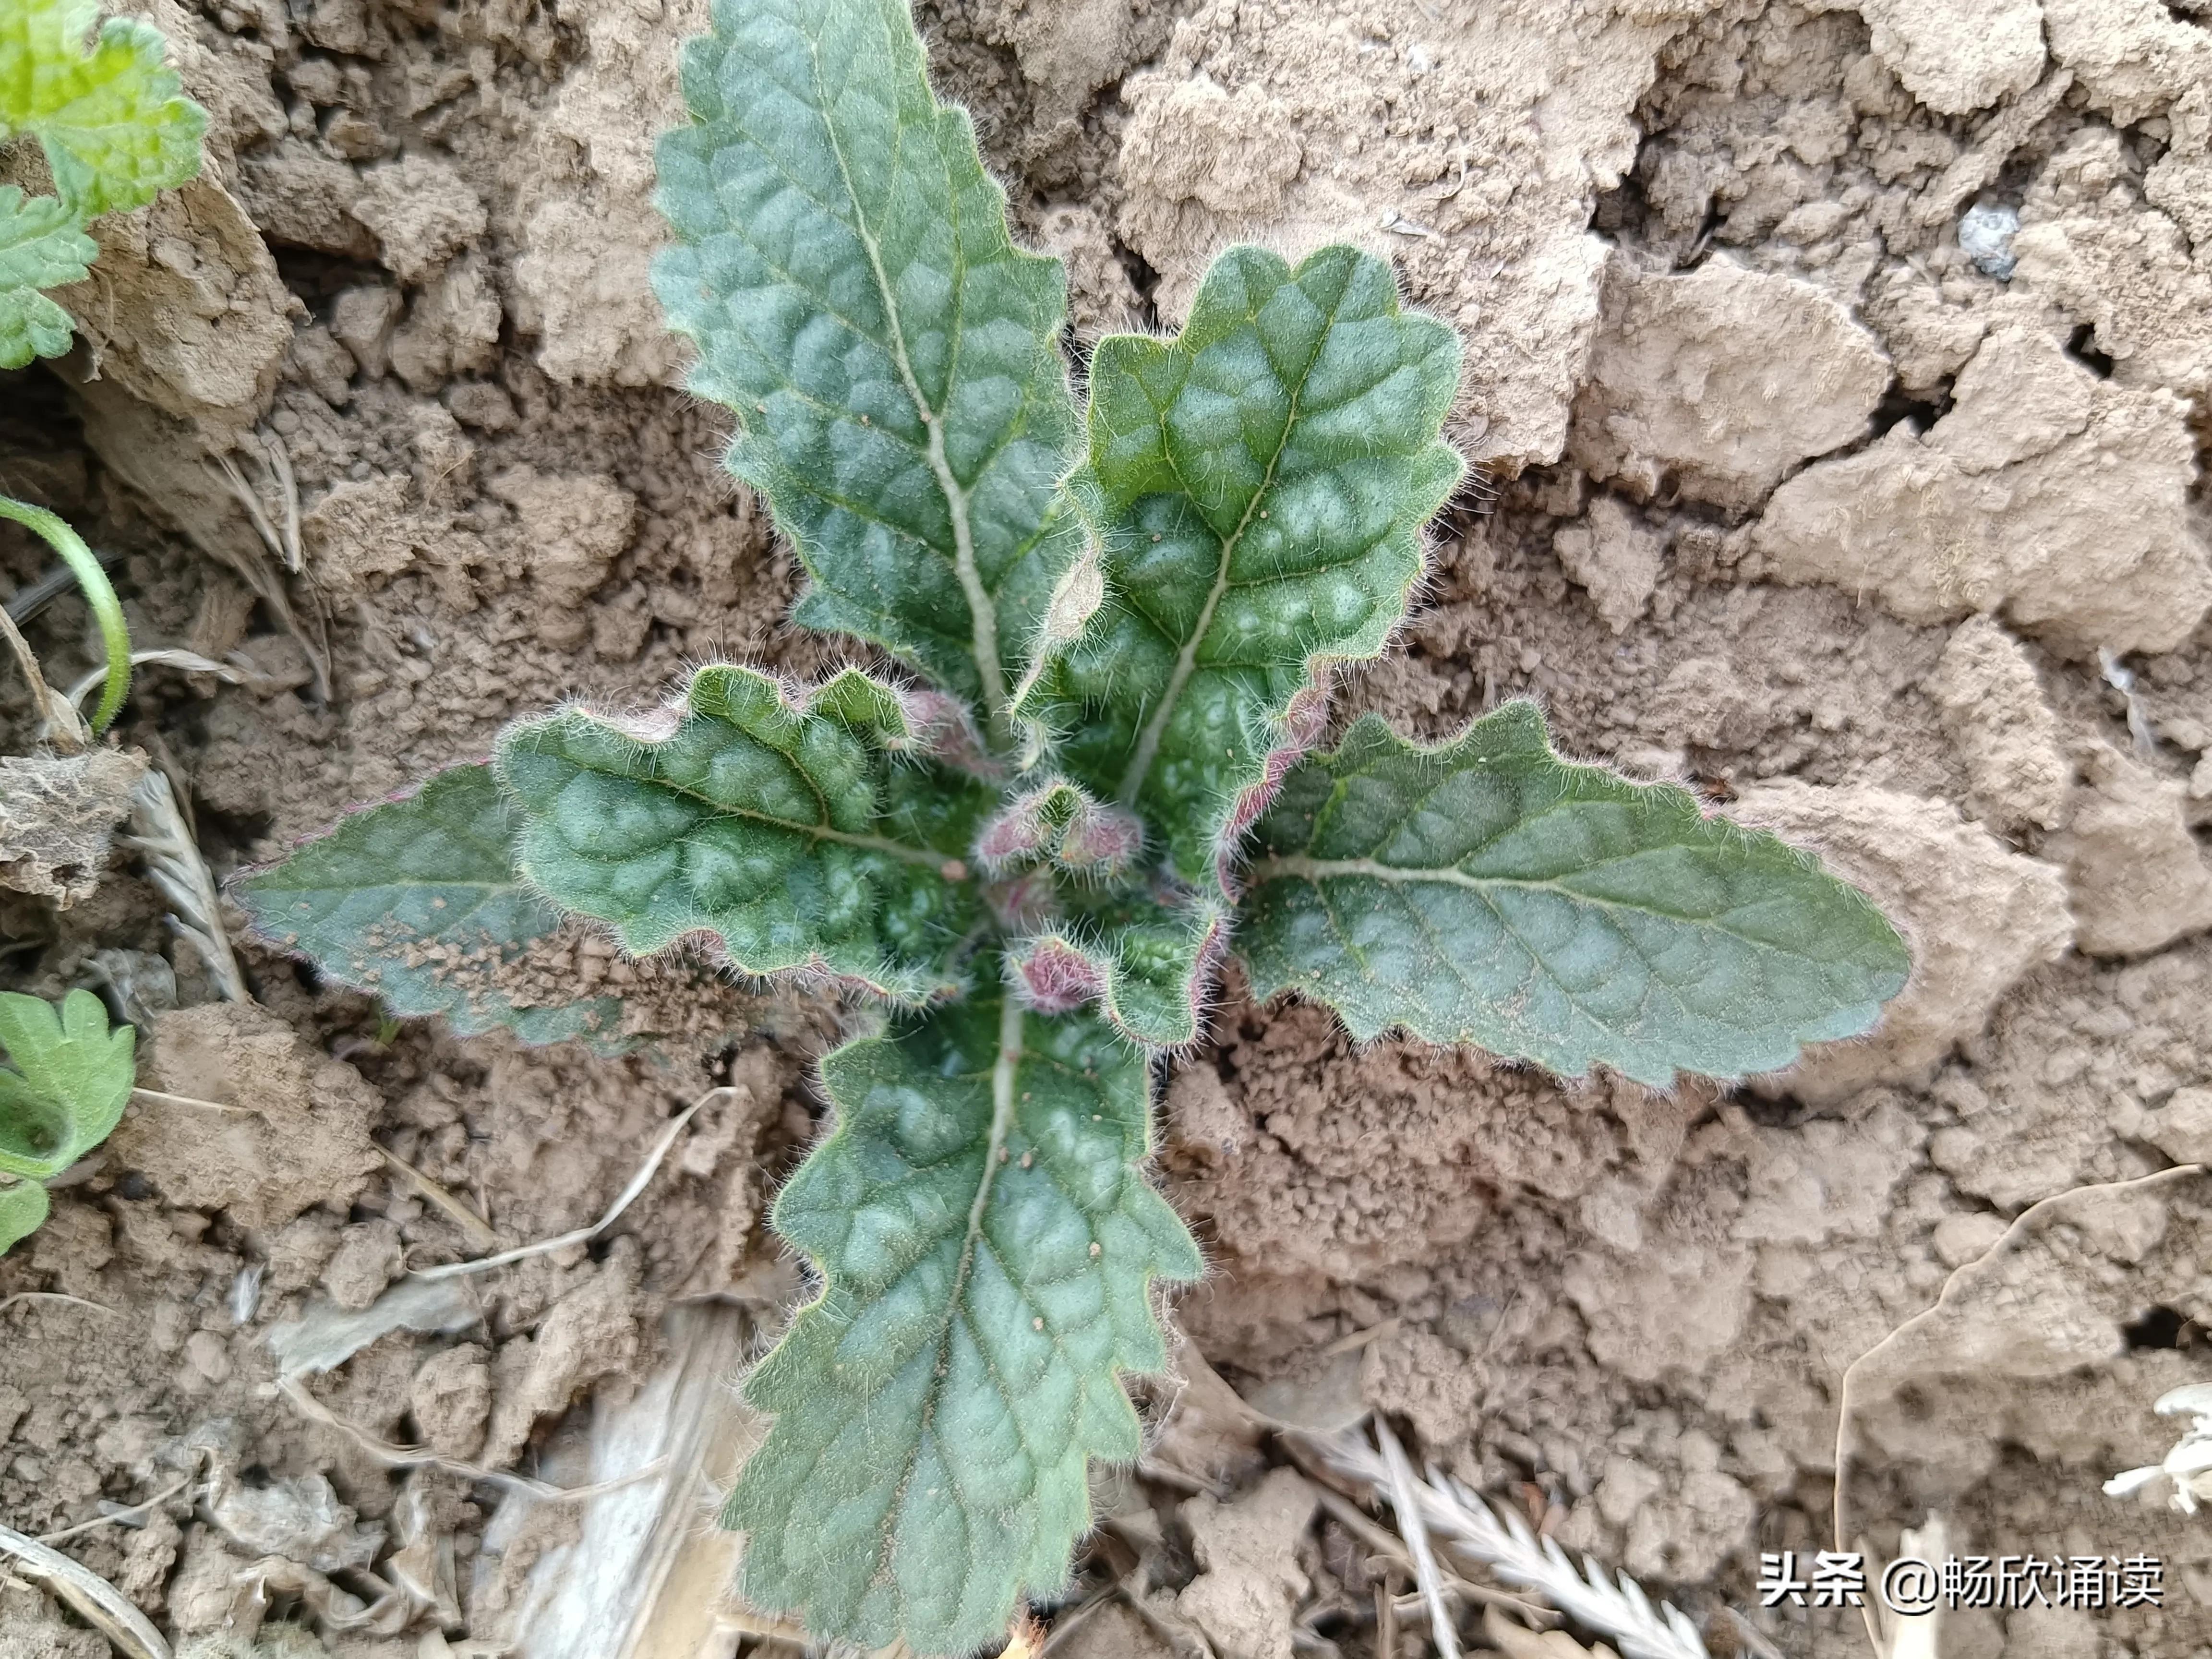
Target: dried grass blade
100,1603
638,1183
174,865
1503,1541
1415,1527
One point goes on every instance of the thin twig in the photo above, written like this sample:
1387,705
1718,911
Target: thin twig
7,1303
1066,1624
1535,1617
421,1457
1385,1543
191,661
250,499
63,728
638,1183
99,1521
266,582
1166,1631
479,1230
1361,1338
280,464
188,1100
1410,1521
1151,1468
2027,1221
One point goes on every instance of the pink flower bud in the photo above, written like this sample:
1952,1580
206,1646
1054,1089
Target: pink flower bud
1103,841
1054,977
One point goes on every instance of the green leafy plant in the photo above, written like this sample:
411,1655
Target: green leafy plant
62,1092
115,131
1094,774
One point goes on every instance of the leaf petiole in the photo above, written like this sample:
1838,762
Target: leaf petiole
99,592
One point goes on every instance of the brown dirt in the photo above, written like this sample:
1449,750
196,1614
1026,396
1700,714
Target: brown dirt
1792,500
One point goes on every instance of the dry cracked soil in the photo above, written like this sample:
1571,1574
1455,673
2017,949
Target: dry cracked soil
1841,378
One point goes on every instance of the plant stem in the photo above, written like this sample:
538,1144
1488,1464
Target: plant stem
99,592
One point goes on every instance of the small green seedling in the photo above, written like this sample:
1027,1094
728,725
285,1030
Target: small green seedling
116,133
1095,776
62,1092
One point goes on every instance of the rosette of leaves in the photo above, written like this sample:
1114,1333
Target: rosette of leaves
115,132
62,1089
1089,771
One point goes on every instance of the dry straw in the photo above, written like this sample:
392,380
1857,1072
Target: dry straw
1465,1523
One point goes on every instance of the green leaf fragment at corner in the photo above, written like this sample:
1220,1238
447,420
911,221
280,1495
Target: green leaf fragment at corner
775,822
67,1082
23,1206
41,246
418,900
99,592
115,127
1486,891
989,1244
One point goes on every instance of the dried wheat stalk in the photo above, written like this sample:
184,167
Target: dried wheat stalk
174,865
1464,1521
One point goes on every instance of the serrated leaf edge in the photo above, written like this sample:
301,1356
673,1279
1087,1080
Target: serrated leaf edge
1082,589
982,606
118,1046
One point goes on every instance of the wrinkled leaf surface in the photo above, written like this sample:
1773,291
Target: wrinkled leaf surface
1486,891
844,268
1256,488
778,825
988,1242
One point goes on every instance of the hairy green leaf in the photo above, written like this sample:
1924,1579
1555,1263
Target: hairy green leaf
23,1206
1255,489
844,269
40,246
797,829
1486,891
116,130
418,901
989,1243
66,1086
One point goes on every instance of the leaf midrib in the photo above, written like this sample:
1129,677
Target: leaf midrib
983,617
1297,866
1149,740
923,856
1004,1066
